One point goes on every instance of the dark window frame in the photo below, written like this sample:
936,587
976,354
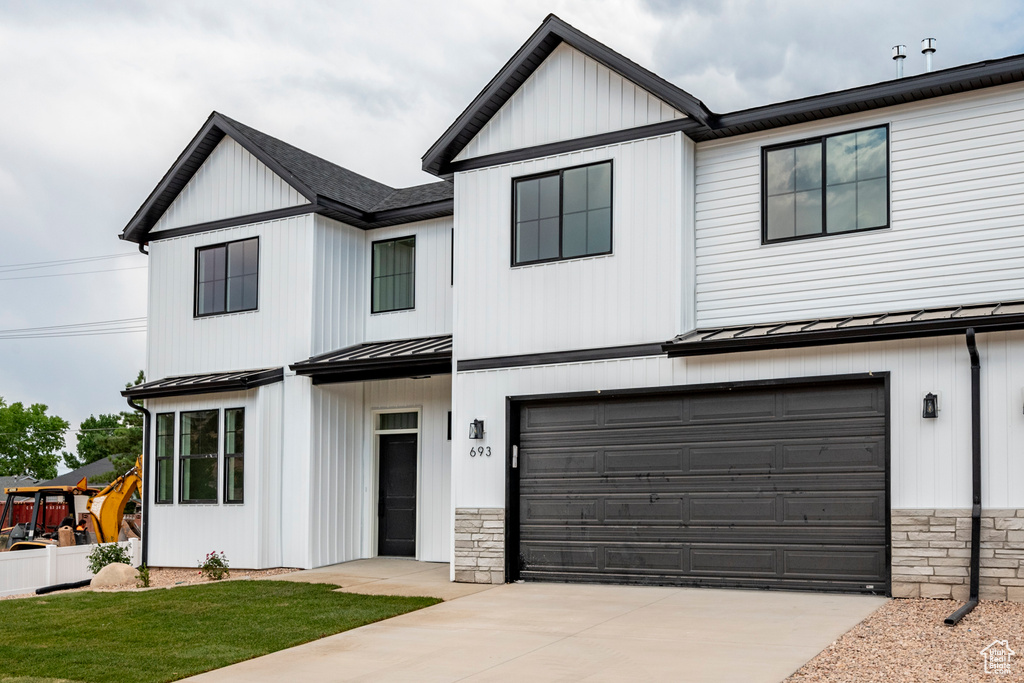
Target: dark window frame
561,191
228,500
200,456
195,279
373,279
157,458
821,140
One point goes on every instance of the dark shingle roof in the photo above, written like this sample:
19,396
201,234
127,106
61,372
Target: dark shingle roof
417,196
93,469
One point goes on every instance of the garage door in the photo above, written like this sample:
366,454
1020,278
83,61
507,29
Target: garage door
770,487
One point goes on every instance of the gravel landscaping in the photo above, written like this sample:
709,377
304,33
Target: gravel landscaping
906,641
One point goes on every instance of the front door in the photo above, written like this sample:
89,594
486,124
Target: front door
396,508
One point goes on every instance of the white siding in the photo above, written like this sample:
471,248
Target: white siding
276,334
433,296
569,96
930,459
231,182
957,182
341,292
634,295
182,535
343,467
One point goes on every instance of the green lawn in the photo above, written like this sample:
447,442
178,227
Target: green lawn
164,635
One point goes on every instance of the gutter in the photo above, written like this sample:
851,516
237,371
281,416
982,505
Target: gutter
972,602
146,419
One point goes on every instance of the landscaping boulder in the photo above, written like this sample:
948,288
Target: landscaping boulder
115,574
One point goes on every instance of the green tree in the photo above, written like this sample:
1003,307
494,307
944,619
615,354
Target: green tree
30,440
117,436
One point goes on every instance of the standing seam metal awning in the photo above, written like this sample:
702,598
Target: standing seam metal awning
392,359
928,322
207,383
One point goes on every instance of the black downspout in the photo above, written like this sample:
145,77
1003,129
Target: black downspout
142,248
972,602
145,479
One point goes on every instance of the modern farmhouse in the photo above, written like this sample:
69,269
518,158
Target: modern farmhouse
621,339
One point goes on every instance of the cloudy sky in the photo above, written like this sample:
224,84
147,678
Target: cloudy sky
99,98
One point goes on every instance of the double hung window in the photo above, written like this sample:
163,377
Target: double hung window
165,458
563,215
828,185
234,455
227,278
199,454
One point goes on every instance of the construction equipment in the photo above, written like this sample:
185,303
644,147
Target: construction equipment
33,515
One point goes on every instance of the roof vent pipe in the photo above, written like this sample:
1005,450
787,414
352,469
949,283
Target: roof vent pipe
928,49
899,53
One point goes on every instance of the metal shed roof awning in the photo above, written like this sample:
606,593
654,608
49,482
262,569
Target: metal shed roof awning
209,383
381,360
928,322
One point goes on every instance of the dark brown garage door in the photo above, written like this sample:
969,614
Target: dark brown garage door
777,487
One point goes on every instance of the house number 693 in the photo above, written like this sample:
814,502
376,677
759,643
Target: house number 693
481,451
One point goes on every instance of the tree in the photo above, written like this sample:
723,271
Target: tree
117,436
30,440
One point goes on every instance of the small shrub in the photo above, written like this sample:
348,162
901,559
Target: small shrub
107,553
143,577
215,566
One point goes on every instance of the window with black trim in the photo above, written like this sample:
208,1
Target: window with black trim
164,458
234,455
826,186
227,277
198,456
563,215
393,280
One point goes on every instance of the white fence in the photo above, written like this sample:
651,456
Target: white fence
23,571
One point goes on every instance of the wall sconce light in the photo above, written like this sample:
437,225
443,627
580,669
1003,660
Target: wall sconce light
930,408
476,429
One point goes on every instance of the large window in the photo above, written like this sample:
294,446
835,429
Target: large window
165,458
828,185
393,286
234,455
227,277
563,215
198,454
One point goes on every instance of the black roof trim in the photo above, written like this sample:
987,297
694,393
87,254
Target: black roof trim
333,190
391,359
555,357
933,322
206,383
552,32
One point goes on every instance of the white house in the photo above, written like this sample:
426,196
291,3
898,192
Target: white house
623,338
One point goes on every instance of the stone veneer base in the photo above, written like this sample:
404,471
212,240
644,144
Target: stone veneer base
931,550
480,545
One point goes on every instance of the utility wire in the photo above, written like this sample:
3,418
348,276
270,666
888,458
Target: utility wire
54,327
72,334
13,267
90,329
80,272
69,431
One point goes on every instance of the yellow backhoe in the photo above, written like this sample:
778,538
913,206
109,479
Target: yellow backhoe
53,508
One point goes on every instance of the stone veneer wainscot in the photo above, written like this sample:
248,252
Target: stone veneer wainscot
480,545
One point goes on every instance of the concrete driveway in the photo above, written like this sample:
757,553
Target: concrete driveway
573,632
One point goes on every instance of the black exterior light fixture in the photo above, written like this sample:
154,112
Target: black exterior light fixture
930,408
476,429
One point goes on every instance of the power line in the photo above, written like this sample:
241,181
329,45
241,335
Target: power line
14,267
68,431
81,272
92,324
72,334
90,329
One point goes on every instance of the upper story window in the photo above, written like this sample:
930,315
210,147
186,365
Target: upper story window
227,277
562,215
827,185
393,285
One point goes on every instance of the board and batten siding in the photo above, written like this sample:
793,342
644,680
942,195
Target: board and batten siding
640,293
231,182
570,95
274,335
930,459
343,467
180,535
341,293
957,219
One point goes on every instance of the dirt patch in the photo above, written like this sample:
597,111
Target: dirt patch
906,641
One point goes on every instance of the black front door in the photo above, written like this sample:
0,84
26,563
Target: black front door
396,508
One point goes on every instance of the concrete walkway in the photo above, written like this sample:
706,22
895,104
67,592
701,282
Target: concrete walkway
572,632
388,576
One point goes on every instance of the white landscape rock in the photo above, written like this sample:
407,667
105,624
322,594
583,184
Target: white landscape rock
115,574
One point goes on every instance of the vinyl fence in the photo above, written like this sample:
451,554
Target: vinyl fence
24,571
